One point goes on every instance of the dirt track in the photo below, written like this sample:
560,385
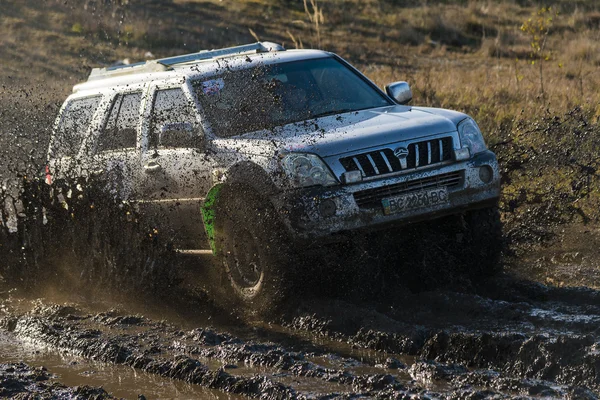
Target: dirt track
503,339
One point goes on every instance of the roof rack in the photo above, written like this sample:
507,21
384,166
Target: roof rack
166,64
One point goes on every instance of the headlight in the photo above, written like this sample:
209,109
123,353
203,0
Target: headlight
470,136
305,169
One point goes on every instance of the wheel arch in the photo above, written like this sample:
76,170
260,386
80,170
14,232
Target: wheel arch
247,178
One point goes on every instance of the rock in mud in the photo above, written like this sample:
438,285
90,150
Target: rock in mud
393,342
392,363
112,318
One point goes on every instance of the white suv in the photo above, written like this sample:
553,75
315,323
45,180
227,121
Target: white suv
244,151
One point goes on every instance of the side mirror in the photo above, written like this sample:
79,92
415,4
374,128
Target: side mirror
399,91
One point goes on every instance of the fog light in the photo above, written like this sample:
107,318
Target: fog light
352,177
327,208
486,174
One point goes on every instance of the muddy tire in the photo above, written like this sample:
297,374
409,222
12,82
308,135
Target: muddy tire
483,243
253,253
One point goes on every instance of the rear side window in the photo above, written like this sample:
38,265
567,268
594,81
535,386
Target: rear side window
173,121
73,126
120,131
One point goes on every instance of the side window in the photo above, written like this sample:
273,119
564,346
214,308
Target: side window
73,126
173,122
120,131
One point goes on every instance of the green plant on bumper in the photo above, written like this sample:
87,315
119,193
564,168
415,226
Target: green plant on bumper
208,216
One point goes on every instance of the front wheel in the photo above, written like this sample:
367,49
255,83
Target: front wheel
255,254
244,261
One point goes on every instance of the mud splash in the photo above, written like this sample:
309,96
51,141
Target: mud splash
501,339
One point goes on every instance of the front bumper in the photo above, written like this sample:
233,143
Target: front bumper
312,213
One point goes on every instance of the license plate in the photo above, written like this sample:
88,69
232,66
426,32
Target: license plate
412,201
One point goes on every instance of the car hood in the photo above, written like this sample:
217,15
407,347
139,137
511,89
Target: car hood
343,133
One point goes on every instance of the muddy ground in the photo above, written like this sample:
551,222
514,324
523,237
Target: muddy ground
503,338
21,380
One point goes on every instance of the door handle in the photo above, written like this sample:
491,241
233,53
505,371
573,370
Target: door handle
152,167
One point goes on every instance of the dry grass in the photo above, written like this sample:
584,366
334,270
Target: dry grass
469,51
469,55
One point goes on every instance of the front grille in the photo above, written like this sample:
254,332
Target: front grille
420,154
372,197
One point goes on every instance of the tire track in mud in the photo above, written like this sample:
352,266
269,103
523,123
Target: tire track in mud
161,349
520,340
63,328
505,335
19,380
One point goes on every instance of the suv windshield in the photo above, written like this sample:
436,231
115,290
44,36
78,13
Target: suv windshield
264,97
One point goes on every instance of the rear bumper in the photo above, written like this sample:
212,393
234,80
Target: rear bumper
319,213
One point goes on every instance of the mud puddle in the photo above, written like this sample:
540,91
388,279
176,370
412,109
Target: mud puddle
503,339
202,356
118,381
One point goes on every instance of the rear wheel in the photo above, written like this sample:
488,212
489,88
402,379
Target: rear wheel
254,252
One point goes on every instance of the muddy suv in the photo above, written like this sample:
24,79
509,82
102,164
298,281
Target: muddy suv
255,153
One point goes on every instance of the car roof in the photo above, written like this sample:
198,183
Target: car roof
198,69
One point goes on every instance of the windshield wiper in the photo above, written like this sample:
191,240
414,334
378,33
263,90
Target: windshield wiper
325,114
